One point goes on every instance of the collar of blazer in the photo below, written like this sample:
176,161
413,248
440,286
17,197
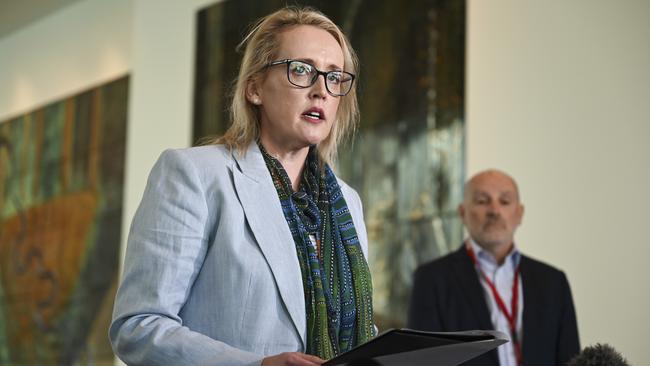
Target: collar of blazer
263,212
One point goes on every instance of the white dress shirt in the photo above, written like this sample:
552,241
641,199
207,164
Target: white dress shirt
502,277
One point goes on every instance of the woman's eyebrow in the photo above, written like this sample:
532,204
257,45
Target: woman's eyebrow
330,67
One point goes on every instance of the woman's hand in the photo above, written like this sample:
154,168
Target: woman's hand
292,359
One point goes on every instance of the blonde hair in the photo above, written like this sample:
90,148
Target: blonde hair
260,47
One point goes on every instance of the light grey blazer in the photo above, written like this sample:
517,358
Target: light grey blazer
211,275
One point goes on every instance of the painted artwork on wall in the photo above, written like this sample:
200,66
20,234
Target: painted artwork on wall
407,159
61,187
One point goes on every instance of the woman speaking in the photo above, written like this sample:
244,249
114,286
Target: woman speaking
249,250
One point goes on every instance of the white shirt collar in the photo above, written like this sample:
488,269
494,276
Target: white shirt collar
486,258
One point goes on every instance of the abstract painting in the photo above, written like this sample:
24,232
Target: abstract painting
407,159
61,187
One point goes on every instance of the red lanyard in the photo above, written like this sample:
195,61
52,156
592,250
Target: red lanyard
514,303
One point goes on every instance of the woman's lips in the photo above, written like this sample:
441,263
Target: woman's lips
314,115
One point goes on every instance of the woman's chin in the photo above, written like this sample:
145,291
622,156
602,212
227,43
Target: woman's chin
314,139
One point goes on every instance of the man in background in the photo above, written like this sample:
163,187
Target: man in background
488,284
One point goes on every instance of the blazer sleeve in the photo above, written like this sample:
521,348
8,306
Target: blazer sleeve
166,247
568,340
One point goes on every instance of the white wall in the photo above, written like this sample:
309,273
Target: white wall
558,94
78,47
160,104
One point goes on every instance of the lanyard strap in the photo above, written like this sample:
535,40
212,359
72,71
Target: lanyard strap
514,302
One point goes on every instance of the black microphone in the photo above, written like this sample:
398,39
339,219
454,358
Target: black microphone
598,355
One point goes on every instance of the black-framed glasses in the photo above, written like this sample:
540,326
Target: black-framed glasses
303,75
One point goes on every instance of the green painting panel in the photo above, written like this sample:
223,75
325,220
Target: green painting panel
407,159
61,188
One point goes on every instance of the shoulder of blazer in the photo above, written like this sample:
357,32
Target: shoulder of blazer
211,164
445,263
215,155
533,267
454,276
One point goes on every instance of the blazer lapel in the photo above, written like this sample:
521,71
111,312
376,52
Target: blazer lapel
263,211
471,288
530,328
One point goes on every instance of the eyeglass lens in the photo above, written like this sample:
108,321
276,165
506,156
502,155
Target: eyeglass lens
304,75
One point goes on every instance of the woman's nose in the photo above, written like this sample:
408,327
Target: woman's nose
319,89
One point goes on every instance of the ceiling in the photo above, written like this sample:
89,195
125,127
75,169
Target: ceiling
15,14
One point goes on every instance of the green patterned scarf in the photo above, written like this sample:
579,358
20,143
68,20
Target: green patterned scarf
335,274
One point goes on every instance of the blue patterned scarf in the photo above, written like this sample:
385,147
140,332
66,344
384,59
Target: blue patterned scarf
335,274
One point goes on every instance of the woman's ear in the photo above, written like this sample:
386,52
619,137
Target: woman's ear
252,93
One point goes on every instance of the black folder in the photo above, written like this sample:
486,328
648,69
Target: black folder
414,347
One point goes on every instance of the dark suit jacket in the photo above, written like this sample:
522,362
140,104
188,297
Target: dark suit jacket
447,296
